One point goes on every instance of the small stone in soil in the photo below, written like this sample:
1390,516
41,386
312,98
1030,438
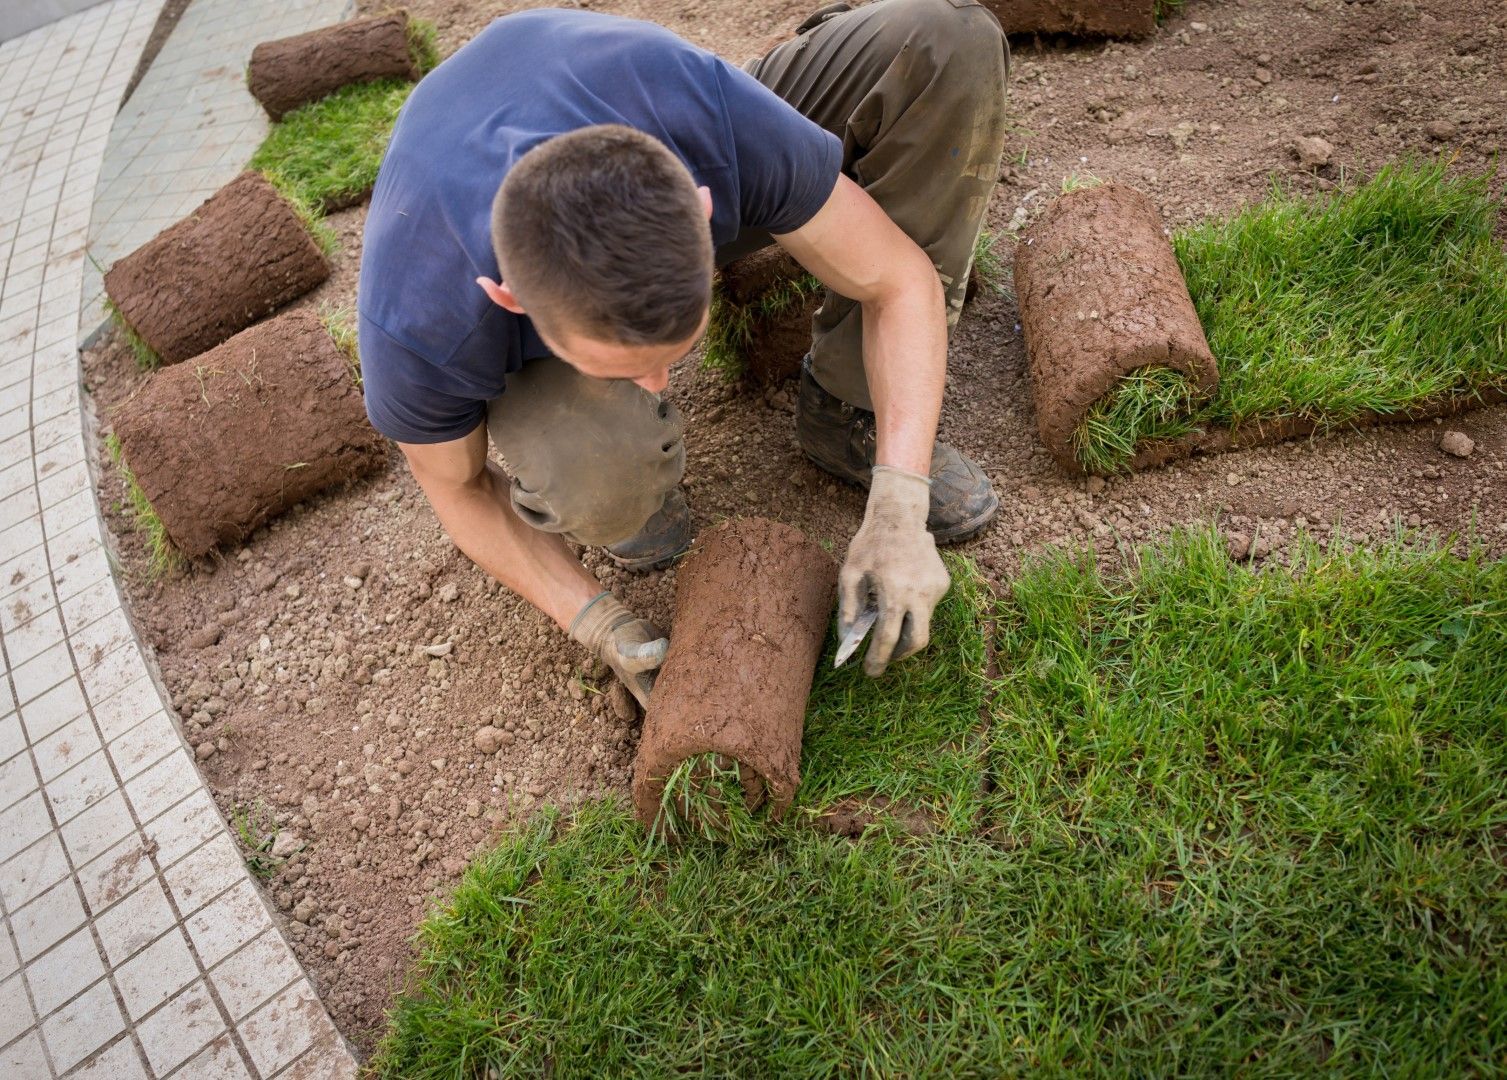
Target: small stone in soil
1440,130
1238,544
448,592
1457,444
285,844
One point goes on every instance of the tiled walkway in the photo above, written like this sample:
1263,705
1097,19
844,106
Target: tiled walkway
134,943
189,127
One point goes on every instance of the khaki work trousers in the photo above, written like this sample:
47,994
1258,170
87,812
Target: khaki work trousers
915,89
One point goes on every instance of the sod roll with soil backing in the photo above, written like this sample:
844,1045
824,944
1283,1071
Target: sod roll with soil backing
761,316
1382,303
1081,18
1101,296
220,445
752,606
293,71
241,255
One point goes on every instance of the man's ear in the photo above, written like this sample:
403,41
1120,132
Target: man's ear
706,199
499,293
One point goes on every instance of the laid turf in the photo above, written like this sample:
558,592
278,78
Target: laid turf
1249,823
908,742
327,153
912,735
1376,300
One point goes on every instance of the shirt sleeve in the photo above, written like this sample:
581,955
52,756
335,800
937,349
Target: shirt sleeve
787,165
407,398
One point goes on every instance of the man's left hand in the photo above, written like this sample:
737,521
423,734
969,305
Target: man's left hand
893,564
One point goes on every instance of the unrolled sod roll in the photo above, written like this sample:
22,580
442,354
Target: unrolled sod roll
241,255
752,606
223,443
1101,295
294,71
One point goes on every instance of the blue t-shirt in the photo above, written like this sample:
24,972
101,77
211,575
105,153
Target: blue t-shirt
434,349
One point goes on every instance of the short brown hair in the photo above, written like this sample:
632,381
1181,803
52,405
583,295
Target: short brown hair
602,230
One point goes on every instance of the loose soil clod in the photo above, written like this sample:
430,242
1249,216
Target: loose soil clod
752,607
241,255
293,71
248,429
1101,296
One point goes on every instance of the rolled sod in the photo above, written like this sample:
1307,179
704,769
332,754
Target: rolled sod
761,316
752,606
1080,18
293,71
1102,297
240,256
220,445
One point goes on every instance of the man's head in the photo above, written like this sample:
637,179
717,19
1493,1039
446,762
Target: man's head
602,238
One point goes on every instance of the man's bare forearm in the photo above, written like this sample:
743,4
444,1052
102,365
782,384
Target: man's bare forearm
905,360
538,566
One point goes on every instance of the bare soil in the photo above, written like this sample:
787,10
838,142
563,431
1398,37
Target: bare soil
337,668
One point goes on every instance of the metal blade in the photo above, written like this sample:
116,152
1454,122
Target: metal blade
855,635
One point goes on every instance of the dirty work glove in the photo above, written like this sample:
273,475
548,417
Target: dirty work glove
632,647
893,564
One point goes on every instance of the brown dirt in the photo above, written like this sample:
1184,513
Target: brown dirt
777,340
751,613
223,444
1100,295
294,71
241,255
1088,18
314,698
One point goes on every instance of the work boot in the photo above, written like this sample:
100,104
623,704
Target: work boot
840,438
663,537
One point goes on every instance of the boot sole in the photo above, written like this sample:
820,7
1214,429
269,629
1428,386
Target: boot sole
648,563
965,530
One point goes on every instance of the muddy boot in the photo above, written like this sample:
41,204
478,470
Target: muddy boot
840,438
665,535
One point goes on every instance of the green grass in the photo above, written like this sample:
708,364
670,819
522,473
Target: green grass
163,556
912,735
340,323
146,357
730,327
327,153
704,797
1245,822
1150,399
987,262
257,832
1372,301
423,45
